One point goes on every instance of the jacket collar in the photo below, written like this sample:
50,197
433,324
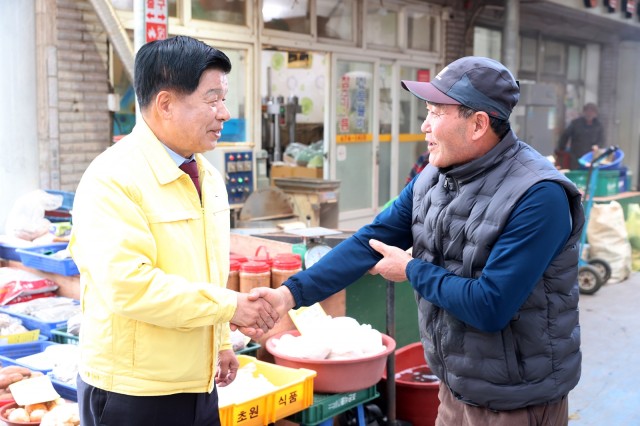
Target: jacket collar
485,163
159,160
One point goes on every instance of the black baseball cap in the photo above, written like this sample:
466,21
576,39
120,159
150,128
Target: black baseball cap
476,82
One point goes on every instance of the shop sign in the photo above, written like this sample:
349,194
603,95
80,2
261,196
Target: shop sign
156,19
344,105
424,76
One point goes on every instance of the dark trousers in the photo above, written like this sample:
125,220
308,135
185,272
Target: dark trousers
100,407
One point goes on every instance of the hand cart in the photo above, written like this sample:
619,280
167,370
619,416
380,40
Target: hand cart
593,273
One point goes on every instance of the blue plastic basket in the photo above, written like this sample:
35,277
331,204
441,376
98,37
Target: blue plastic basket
8,252
65,390
32,323
618,156
39,257
10,353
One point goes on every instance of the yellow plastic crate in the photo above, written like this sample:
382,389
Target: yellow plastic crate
294,393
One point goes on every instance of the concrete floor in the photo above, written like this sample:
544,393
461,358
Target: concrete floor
609,390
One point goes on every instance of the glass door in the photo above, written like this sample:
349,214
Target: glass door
353,153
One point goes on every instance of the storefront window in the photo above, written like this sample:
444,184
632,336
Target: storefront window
574,63
354,144
381,23
287,15
423,31
528,54
235,129
487,42
223,11
554,58
128,5
335,19
386,114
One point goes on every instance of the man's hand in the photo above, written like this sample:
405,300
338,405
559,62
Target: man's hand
254,316
280,299
394,263
227,368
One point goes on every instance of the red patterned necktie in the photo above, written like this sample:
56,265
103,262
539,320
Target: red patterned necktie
191,168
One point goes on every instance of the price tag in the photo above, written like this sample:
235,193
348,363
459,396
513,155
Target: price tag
29,336
33,390
306,316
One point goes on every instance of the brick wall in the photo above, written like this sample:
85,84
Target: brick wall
455,33
82,87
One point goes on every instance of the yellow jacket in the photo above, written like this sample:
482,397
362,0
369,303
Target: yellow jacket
153,267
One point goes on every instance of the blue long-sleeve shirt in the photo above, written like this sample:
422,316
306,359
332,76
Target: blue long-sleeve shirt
536,231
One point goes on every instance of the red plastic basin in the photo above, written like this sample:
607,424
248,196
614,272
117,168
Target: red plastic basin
341,375
416,402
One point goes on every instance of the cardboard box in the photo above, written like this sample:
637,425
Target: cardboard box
295,171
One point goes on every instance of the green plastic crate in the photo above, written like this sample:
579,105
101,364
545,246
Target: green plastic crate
60,335
608,181
251,349
326,406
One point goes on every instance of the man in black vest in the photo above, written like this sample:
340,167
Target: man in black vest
494,231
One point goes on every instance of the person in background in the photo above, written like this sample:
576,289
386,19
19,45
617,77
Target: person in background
494,230
152,245
581,135
420,164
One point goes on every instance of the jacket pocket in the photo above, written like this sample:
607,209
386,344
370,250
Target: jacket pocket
511,358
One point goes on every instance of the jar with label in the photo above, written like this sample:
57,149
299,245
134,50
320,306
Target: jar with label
233,282
254,274
284,265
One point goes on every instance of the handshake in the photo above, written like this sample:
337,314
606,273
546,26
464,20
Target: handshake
259,310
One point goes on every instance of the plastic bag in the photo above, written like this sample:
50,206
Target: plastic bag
608,239
633,226
292,151
17,286
26,218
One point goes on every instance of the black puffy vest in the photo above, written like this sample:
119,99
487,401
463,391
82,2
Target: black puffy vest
457,218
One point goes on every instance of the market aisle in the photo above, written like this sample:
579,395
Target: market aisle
609,390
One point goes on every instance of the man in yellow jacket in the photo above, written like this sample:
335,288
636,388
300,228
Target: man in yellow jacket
152,246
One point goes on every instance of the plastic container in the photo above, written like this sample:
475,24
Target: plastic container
238,257
233,281
8,252
327,406
608,182
254,274
32,323
262,255
10,353
251,349
60,335
294,392
65,390
618,156
416,402
337,375
5,420
39,257
284,265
